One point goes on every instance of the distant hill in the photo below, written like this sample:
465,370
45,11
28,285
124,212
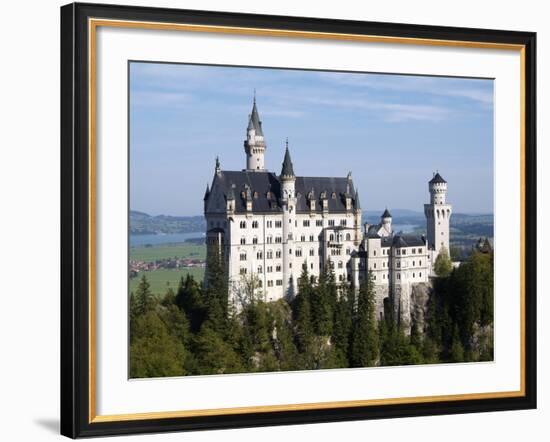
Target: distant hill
142,223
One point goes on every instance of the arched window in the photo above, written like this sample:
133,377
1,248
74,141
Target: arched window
243,240
254,224
331,237
255,240
259,255
243,256
278,254
260,269
348,237
311,252
243,224
270,254
269,239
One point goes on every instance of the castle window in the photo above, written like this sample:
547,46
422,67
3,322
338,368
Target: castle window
270,254
290,251
311,238
270,283
331,222
374,277
259,255
243,224
269,239
270,224
260,269
414,275
312,277
348,237
420,274
303,238
278,240
243,256
414,251
278,268
254,224
304,266
348,252
374,252
343,222
306,223
384,276
269,269
414,263
319,223
278,224
403,251
340,278
311,252
398,264
278,254
242,271
420,263
340,265
260,283
243,240
279,282
255,240
298,252
399,276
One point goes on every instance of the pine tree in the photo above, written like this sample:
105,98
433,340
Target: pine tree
342,327
443,265
365,339
216,293
323,300
144,300
303,319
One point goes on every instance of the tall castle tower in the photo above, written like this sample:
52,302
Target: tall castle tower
254,145
288,200
438,215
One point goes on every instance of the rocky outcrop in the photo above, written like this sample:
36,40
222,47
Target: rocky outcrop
420,295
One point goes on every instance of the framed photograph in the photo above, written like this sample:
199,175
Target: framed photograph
274,220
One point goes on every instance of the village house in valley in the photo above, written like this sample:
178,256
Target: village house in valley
274,225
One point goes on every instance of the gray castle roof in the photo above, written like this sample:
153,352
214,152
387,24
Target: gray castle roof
288,169
403,241
386,214
265,188
254,120
437,179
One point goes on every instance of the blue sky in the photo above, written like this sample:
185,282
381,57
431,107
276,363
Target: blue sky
391,131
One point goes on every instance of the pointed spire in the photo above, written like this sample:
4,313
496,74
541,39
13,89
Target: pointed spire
357,203
218,167
207,192
288,169
386,214
254,121
437,179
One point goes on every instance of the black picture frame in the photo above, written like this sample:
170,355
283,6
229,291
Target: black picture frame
75,220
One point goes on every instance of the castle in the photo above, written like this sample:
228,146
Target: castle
274,226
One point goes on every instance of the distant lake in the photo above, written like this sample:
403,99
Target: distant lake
163,238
